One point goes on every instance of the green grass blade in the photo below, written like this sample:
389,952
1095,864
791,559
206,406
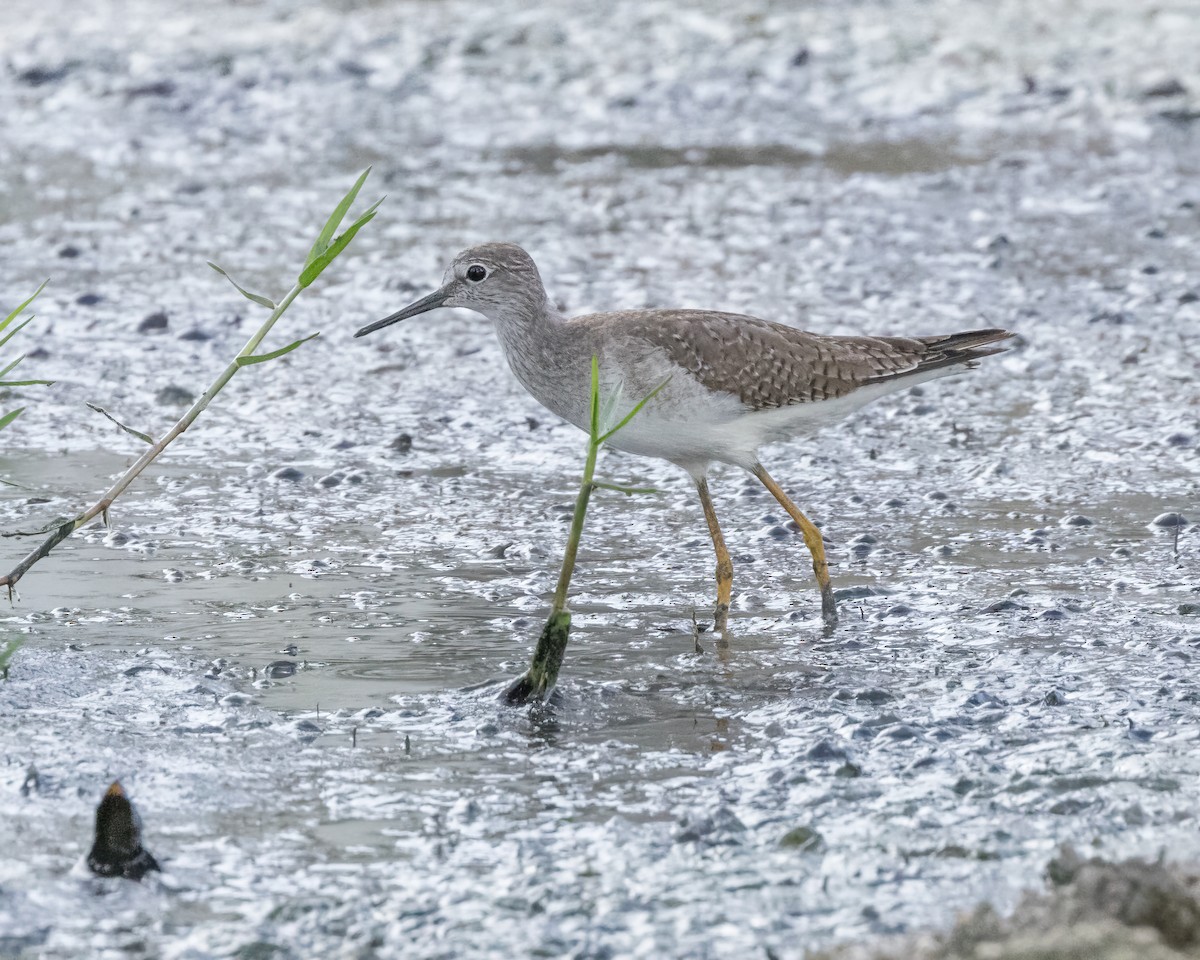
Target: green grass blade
245,361
335,220
124,426
594,407
15,330
7,370
10,417
321,261
7,652
17,312
608,406
26,383
637,409
255,297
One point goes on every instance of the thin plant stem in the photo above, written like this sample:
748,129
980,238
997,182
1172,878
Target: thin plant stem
537,683
101,506
581,504
323,252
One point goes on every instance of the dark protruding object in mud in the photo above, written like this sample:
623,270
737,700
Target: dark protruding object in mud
539,680
118,850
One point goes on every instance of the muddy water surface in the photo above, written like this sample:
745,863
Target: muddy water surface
289,642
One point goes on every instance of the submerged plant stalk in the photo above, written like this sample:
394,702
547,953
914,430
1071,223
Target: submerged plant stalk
537,683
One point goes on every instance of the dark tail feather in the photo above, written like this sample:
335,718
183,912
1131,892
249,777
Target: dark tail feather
965,349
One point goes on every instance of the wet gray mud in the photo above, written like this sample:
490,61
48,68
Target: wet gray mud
289,645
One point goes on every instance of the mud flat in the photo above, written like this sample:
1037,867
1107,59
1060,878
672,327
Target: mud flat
288,647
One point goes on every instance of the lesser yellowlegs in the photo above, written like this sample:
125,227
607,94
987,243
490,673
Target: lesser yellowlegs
734,382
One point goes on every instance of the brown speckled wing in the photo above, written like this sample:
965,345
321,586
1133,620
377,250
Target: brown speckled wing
768,365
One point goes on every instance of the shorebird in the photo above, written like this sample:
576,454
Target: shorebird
733,382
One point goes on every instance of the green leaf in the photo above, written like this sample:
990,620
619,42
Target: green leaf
9,318
321,261
26,383
128,429
637,409
335,220
594,406
15,330
255,297
7,652
10,417
12,365
609,406
245,361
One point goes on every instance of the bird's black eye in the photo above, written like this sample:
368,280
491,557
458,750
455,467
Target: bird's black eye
475,273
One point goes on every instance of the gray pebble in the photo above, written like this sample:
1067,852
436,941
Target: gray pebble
1170,521
804,839
981,698
173,396
855,593
279,669
37,76
720,827
827,750
153,323
1167,87
901,731
288,473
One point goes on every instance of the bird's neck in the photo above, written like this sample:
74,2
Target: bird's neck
543,354
532,313
527,328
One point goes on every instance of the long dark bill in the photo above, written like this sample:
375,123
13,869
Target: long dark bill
434,300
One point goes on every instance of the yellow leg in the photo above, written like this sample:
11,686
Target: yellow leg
812,537
724,562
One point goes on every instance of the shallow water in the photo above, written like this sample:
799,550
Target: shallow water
295,674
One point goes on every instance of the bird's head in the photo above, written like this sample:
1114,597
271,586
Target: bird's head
494,279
